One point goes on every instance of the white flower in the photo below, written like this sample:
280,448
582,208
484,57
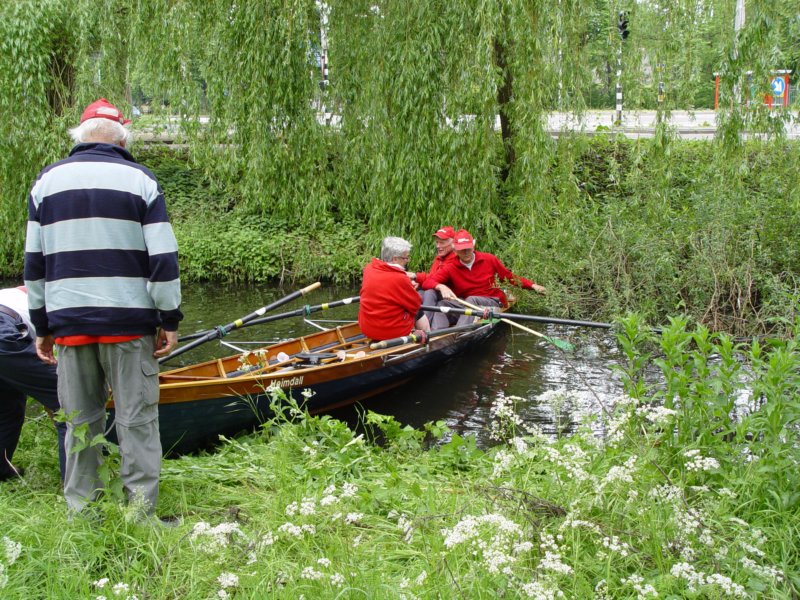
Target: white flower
337,580
552,562
311,573
698,463
211,539
325,562
538,591
101,583
228,580
120,588
328,500
349,490
764,571
643,590
614,544
13,550
502,461
353,517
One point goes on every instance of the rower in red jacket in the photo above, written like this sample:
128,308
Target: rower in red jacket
472,277
444,255
390,304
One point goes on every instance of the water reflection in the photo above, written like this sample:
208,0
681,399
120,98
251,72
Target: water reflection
510,363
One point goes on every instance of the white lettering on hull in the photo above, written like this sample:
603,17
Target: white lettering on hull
290,382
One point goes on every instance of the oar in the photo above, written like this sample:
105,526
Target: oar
223,330
560,344
487,313
413,338
303,311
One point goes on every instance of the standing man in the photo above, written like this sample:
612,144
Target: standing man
101,267
22,374
389,306
472,277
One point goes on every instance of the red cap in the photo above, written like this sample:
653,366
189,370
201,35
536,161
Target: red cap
463,240
103,109
445,233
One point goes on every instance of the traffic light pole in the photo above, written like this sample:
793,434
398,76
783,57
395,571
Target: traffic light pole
622,26
618,114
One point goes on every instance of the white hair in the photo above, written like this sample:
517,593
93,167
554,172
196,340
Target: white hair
392,247
101,130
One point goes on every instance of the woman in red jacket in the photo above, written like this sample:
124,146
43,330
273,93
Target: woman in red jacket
390,304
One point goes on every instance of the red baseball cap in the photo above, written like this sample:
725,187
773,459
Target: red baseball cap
445,233
463,240
103,109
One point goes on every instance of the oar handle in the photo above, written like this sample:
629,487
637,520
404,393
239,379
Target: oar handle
222,331
306,310
413,338
265,309
210,335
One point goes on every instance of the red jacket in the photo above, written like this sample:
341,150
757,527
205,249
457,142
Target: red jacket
389,302
436,266
480,281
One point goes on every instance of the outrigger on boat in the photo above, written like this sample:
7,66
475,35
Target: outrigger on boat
340,366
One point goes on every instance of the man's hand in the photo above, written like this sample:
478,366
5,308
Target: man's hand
44,349
446,292
165,342
538,288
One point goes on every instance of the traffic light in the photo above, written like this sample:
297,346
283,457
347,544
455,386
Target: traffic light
622,25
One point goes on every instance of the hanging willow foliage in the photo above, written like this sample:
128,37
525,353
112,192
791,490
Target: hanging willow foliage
416,90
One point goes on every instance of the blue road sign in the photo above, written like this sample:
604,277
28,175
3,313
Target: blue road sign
778,86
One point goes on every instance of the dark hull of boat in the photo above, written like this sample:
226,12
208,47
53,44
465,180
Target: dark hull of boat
210,409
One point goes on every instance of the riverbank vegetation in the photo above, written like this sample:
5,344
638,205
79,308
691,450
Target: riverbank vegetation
685,488
294,172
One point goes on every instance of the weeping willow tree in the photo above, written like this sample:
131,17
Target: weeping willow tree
433,112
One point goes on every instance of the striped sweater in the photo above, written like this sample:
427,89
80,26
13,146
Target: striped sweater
100,254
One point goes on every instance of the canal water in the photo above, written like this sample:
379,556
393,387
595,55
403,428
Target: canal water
511,363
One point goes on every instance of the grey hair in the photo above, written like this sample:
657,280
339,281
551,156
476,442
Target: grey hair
392,247
100,130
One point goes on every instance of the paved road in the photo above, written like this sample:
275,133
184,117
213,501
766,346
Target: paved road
699,124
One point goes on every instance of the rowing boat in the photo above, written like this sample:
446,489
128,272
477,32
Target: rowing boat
339,366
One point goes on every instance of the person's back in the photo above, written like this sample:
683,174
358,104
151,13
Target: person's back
105,243
101,267
389,303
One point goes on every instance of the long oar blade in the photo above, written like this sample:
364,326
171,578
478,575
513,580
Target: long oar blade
558,343
222,331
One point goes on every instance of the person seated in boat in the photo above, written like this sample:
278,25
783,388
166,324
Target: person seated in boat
472,277
443,238
389,306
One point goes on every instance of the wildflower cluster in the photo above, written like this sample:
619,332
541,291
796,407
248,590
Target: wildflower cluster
11,550
118,591
211,540
642,589
698,463
495,540
695,579
505,422
227,582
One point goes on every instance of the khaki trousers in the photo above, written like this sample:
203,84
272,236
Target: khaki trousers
132,372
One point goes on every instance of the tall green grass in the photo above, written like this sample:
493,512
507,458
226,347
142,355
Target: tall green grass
686,487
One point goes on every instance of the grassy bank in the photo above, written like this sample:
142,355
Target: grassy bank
683,489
